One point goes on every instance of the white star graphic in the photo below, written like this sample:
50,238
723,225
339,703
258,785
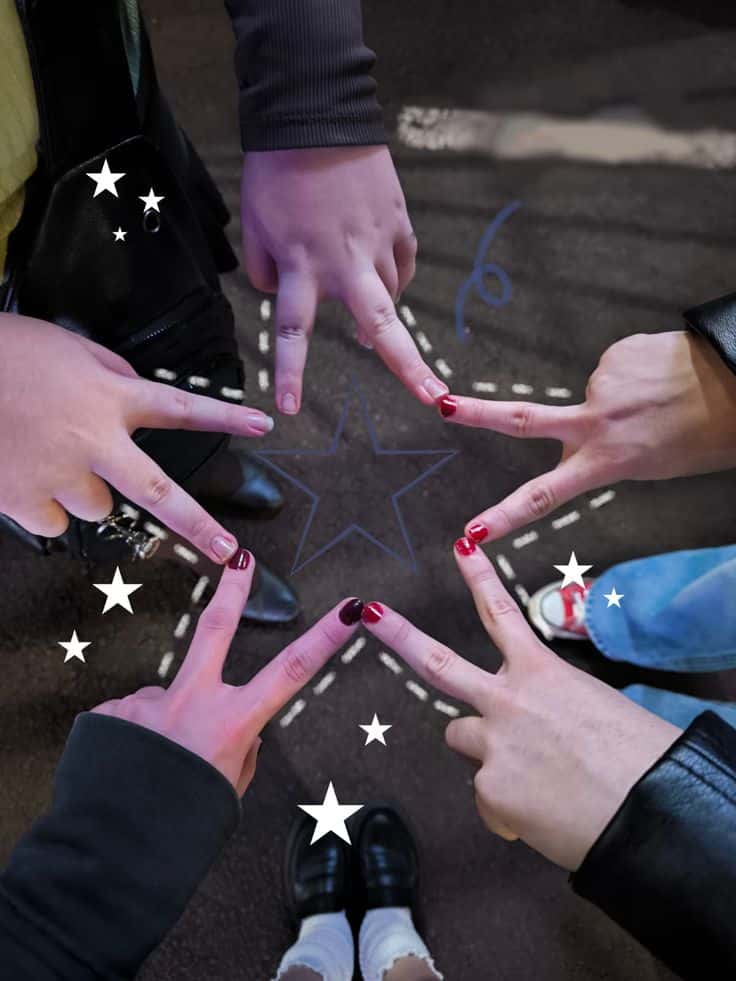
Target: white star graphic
151,200
573,571
614,598
374,731
119,235
105,180
330,816
74,647
117,592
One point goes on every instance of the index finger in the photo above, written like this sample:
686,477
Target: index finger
218,622
140,480
438,665
525,420
370,303
505,623
283,677
155,405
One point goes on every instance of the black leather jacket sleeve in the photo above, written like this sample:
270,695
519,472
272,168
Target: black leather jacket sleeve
135,823
665,867
304,74
716,322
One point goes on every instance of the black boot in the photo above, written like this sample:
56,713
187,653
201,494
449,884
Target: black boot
236,478
317,878
386,863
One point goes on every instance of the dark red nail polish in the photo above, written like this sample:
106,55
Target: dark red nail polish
464,546
240,561
350,613
372,613
447,405
477,532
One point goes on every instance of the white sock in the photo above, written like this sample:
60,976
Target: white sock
325,944
386,935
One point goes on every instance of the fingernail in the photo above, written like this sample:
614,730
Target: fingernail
288,404
434,388
350,613
464,546
447,405
477,532
240,561
260,422
372,613
223,547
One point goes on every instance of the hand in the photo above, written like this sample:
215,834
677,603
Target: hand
657,406
221,722
67,409
558,750
332,223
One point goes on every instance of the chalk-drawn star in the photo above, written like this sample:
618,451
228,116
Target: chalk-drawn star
350,491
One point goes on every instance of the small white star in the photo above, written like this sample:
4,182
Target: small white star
330,815
105,180
614,598
119,235
374,731
573,572
150,201
117,592
74,647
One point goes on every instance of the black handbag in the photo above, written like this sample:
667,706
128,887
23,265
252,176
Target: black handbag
153,298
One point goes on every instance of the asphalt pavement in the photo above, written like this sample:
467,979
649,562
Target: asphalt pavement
592,252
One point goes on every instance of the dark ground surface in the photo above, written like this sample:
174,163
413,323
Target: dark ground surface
594,253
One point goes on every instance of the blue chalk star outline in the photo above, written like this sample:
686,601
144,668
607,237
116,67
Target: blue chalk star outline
443,457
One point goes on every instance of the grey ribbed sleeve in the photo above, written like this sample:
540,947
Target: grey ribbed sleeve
304,74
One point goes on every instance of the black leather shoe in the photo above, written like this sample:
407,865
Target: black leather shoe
317,878
272,601
236,478
386,862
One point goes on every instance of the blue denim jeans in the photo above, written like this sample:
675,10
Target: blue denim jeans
678,613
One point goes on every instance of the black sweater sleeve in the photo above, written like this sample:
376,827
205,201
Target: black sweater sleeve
135,823
716,322
304,74
665,867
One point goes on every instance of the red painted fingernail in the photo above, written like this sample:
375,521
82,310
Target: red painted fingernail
447,405
477,532
240,561
372,613
464,546
350,613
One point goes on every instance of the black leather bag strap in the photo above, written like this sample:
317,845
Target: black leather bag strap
83,87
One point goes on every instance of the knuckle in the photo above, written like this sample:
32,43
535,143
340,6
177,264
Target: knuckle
485,575
217,618
522,419
540,500
198,526
496,607
183,405
297,666
158,488
402,632
290,330
382,319
333,639
477,413
439,661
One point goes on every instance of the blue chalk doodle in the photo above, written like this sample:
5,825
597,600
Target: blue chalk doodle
481,270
